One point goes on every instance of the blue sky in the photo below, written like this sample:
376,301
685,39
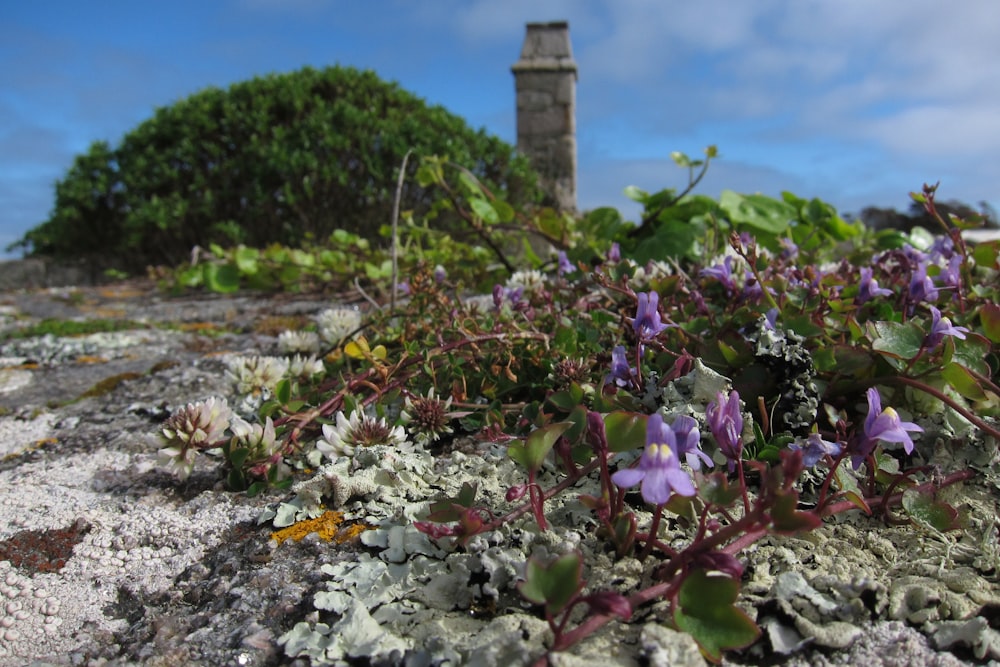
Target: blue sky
853,101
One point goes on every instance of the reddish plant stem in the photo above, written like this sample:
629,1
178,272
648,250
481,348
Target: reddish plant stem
916,384
885,501
558,488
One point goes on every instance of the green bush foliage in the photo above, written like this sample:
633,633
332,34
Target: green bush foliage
285,158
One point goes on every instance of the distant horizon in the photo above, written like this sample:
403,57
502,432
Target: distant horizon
855,104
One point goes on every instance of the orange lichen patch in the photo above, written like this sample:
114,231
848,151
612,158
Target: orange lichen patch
108,313
121,292
90,359
198,327
272,325
329,526
30,366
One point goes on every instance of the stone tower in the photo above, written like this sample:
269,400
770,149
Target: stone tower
545,81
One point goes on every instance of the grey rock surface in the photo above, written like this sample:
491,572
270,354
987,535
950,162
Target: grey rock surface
106,560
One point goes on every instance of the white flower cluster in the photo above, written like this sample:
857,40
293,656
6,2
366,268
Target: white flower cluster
193,427
336,324
359,430
529,281
298,342
651,270
256,375
303,368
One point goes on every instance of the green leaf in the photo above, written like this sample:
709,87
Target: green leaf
757,211
925,509
962,381
238,457
246,259
235,480
786,519
256,488
846,481
636,194
283,391
680,159
504,210
989,315
895,340
451,509
986,255
531,453
222,278
484,210
469,182
716,489
705,610
625,431
554,585
567,399
971,352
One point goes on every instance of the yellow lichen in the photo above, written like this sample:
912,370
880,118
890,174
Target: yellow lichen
91,359
329,526
272,325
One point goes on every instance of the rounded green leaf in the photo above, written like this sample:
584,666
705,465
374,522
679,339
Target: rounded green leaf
553,585
625,430
222,278
705,610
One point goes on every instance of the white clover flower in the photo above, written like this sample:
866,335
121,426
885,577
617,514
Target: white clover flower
303,368
178,461
256,375
298,342
336,324
529,281
360,430
198,424
427,417
653,269
258,438
193,427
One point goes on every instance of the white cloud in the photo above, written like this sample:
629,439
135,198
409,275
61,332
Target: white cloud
944,131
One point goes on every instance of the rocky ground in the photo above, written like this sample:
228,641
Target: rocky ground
107,560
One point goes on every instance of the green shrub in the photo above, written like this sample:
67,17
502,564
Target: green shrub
279,159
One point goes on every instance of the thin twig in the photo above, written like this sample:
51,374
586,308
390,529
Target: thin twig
395,230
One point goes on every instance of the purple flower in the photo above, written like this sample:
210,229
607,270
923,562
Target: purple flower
685,430
565,266
723,273
497,296
725,421
771,319
647,323
621,372
615,254
951,276
942,248
941,327
869,289
921,286
884,425
816,448
659,468
440,273
789,251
